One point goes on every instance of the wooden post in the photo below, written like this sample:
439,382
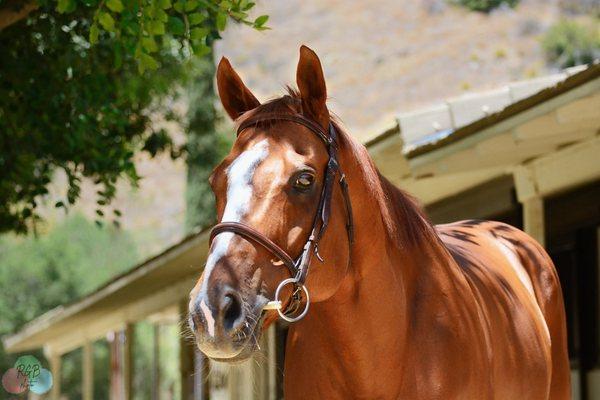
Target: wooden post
128,368
186,356
116,376
156,362
264,374
55,369
528,194
272,357
533,218
201,384
88,371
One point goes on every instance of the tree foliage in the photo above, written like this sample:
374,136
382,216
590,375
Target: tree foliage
569,42
485,5
78,89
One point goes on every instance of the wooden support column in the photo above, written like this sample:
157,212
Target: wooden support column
186,356
201,384
128,368
264,378
88,371
532,201
156,362
116,366
55,369
533,219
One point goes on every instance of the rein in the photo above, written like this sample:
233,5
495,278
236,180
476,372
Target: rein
299,266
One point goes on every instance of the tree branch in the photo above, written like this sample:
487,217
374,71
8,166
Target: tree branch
15,10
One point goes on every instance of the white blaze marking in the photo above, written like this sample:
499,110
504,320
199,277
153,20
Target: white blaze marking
239,194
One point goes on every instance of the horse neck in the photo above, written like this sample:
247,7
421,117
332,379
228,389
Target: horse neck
375,295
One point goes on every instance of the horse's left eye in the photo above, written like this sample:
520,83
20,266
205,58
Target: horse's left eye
304,181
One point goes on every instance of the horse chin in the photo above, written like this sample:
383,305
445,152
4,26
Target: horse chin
235,351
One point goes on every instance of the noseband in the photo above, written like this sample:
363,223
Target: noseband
299,266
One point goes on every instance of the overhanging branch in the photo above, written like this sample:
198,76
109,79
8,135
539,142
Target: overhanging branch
15,10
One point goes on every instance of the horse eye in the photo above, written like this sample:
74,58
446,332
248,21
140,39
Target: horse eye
304,181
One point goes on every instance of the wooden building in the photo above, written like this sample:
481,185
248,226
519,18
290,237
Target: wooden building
527,154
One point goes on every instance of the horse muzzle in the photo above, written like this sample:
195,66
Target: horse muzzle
226,328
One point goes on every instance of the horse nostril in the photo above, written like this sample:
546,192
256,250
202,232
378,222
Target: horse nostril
232,310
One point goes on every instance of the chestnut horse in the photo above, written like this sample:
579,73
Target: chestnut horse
399,308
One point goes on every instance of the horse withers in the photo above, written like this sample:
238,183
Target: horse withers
382,303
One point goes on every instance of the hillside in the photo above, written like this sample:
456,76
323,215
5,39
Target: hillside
383,56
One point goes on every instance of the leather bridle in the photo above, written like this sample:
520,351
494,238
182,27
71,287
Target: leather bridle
299,266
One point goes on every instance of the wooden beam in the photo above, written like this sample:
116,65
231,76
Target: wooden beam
156,362
202,367
55,369
128,366
533,219
272,360
15,10
528,194
116,366
88,371
186,356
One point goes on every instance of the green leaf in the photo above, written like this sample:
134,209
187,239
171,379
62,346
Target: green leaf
248,6
149,44
148,61
190,5
66,6
179,6
115,5
260,21
59,204
107,21
94,32
198,33
196,18
164,4
162,16
176,26
156,27
200,49
221,21
225,5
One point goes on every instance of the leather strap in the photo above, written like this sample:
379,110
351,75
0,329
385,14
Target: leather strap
257,237
297,118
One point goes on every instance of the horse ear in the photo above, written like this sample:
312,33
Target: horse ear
235,96
311,83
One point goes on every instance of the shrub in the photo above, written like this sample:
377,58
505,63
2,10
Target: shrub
485,5
568,43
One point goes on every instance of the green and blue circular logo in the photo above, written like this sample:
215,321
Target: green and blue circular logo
27,374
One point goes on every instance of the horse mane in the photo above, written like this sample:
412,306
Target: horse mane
404,220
